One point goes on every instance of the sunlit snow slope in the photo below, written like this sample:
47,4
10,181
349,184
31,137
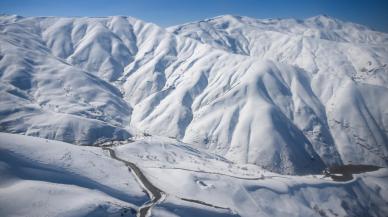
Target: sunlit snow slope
41,177
344,68
287,95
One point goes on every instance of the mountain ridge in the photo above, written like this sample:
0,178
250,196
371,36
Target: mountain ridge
284,106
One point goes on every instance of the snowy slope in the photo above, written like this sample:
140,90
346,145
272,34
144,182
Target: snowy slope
245,35
303,103
42,177
45,96
280,196
245,190
345,66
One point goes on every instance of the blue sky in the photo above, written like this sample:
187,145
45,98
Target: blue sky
373,13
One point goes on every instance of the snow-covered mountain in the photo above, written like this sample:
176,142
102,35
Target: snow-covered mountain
344,65
188,120
291,96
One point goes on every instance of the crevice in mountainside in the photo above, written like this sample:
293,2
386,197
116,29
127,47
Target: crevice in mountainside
370,120
189,98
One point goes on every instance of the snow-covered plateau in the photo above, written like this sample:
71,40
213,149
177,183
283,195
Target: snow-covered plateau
228,116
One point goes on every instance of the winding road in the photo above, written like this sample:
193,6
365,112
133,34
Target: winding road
153,192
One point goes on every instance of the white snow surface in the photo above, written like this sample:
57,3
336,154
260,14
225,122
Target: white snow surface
41,177
291,96
343,68
248,190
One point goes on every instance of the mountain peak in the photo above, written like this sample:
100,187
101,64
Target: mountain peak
322,18
227,16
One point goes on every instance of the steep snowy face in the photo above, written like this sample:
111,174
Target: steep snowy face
345,65
279,99
44,95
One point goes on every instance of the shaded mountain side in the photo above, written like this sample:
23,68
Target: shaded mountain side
303,103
